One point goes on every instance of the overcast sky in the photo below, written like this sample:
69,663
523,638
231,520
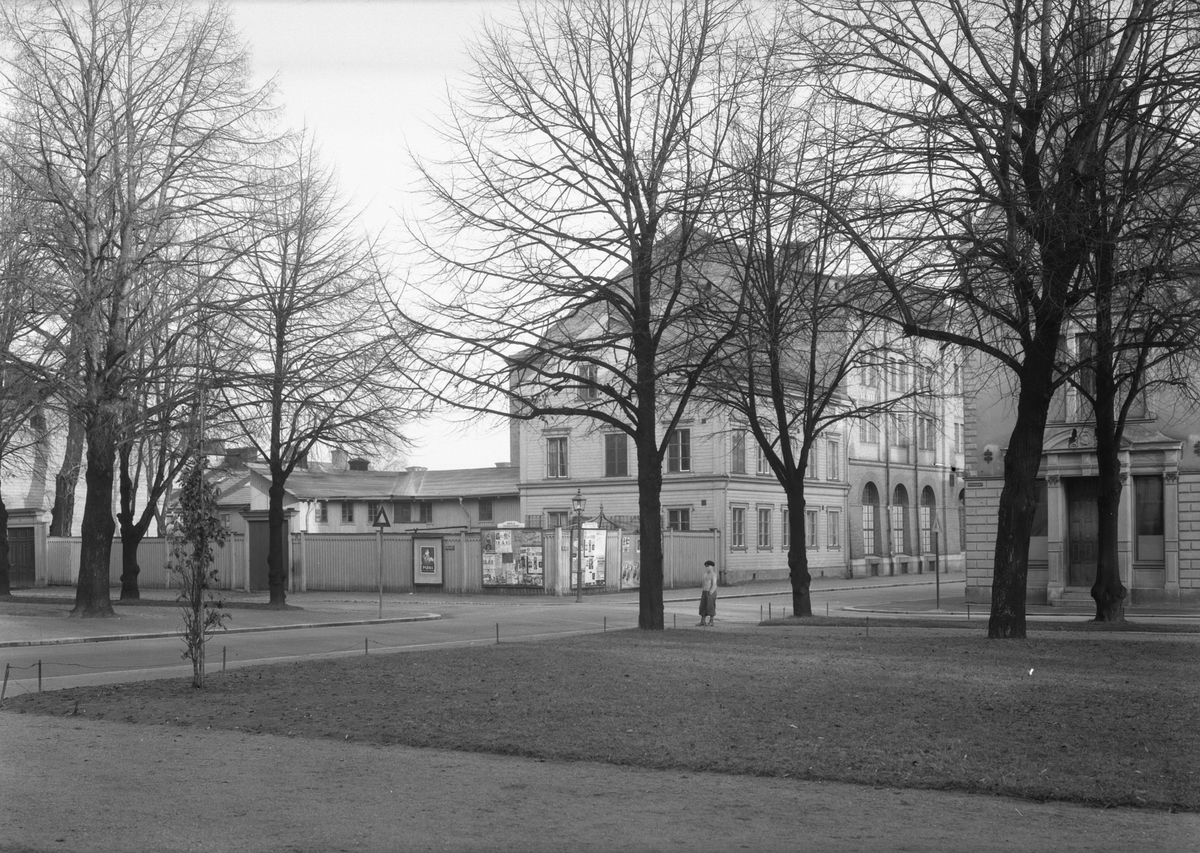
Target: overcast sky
367,77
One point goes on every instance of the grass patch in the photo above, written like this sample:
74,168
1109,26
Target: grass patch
1072,625
1100,720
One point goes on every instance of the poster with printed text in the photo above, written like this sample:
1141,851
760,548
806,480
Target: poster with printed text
513,558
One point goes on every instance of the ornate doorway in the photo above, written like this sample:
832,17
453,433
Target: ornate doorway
1083,523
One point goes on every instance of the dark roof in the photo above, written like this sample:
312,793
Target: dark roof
417,483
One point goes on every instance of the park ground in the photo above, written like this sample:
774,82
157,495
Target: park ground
825,735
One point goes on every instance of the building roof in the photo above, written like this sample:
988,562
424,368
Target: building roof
414,483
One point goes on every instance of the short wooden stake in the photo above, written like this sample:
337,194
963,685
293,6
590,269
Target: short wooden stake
39,676
768,610
826,608
365,641
223,658
605,624
4,687
497,633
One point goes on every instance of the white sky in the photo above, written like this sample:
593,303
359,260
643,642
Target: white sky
367,77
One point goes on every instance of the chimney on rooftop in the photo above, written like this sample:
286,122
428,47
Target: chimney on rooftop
359,464
338,457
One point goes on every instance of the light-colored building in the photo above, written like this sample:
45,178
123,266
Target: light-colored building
1159,536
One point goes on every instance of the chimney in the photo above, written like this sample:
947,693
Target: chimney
339,457
359,464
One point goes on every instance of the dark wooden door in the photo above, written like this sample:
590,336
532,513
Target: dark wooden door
1083,531
20,557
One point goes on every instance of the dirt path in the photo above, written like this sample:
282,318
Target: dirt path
71,785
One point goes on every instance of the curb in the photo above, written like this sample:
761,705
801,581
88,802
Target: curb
159,635
723,595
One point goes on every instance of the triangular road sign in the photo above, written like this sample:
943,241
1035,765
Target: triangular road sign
381,519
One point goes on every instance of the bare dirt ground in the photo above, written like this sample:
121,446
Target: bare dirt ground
75,785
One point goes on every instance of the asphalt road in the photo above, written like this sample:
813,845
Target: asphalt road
459,623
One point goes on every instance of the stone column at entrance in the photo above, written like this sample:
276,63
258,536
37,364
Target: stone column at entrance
1171,533
1056,537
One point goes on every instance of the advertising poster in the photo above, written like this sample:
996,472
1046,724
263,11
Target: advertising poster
593,560
513,558
631,562
427,562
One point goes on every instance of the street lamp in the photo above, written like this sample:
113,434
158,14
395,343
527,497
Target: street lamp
578,503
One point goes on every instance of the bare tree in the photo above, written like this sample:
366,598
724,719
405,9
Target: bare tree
27,345
132,118
567,226
983,125
807,326
304,356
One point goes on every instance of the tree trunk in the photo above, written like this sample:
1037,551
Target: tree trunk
62,513
1107,591
91,592
5,583
650,593
798,553
1018,500
131,539
277,570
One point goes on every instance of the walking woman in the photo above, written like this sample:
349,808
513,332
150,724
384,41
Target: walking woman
708,594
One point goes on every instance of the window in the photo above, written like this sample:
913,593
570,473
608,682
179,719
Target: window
322,514
1148,512
588,374
679,519
227,520
425,510
679,451
833,529
958,438
870,376
347,512
898,374
926,511
616,455
557,518
899,520
956,379
810,468
872,538
764,529
373,511
786,532
810,528
868,431
926,433
486,509
737,452
556,457
737,528
899,431
762,466
404,513
833,467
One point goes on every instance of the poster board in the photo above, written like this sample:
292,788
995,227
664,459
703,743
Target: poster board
513,558
631,562
594,559
427,562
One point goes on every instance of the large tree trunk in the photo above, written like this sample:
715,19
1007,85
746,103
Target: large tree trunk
650,593
798,552
91,592
277,570
62,512
131,540
1107,591
5,584
1018,500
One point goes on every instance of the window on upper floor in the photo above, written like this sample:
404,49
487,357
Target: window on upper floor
679,519
679,451
737,527
810,468
926,433
558,518
322,512
486,509
737,452
833,467
900,437
898,377
616,455
556,457
762,465
868,431
347,512
373,511
785,530
588,376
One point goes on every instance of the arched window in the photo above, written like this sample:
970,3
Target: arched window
899,520
928,508
870,520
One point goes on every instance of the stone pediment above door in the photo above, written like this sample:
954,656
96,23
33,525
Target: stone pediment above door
1081,438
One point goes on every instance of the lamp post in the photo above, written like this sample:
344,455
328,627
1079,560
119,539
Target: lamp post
578,503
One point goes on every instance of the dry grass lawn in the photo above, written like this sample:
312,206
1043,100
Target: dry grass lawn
1100,719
